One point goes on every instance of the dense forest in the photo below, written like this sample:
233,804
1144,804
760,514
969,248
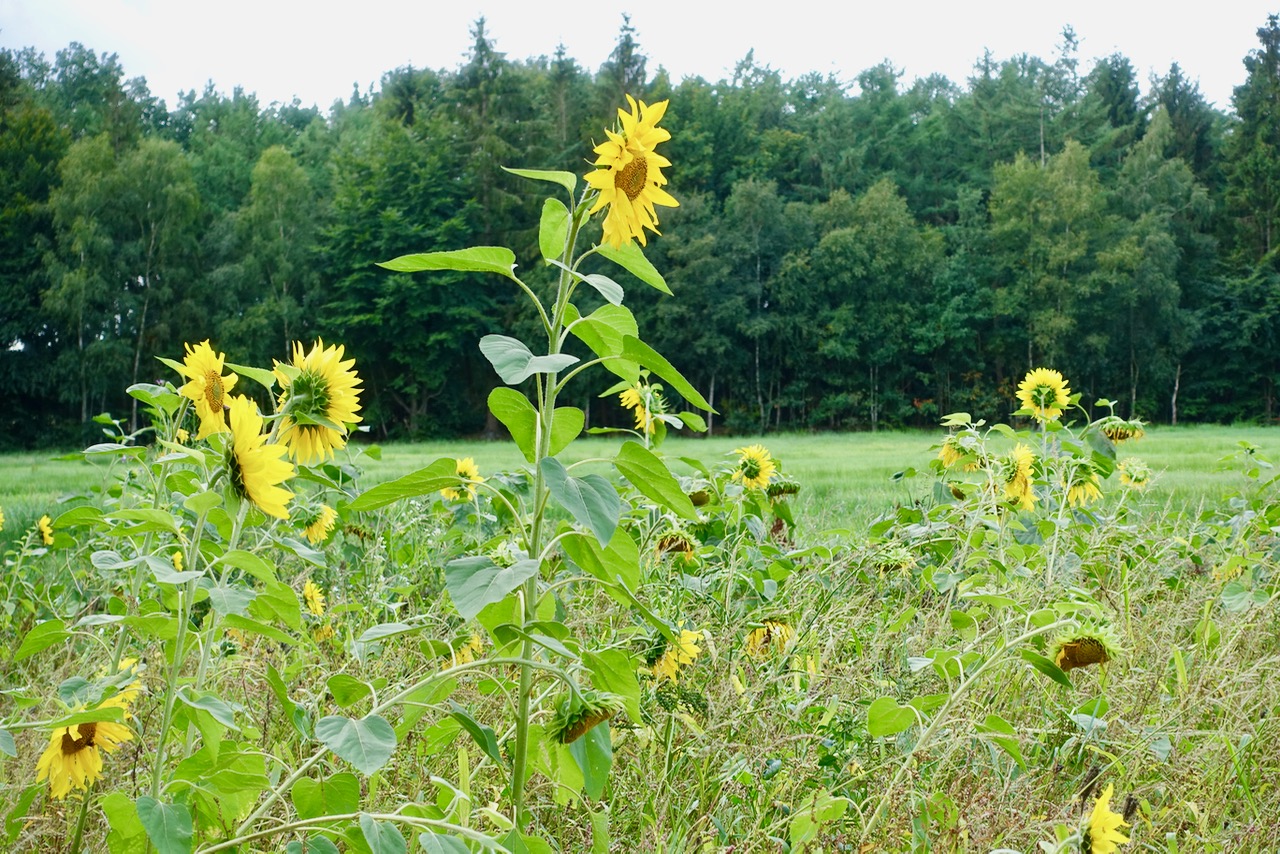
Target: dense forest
846,254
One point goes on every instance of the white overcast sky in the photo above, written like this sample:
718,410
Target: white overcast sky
317,50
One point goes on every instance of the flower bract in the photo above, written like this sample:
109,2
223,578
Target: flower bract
256,467
318,402
207,387
1045,393
755,467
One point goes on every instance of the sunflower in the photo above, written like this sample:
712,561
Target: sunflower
1134,473
1045,393
680,654
576,716
463,652
1,518
755,467
645,401
629,178
768,639
314,597
318,399
317,530
1084,645
1119,430
256,467
207,387
1017,484
73,758
46,530
1084,487
469,473
176,560
1102,832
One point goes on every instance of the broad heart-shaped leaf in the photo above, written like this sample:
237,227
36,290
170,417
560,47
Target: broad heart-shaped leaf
168,825
435,477
614,670
519,417
553,229
42,637
996,729
366,743
594,755
438,843
127,835
620,560
474,582
515,362
647,357
517,414
483,735
650,475
331,796
631,259
591,499
568,180
383,836
477,259
604,331
313,845
886,717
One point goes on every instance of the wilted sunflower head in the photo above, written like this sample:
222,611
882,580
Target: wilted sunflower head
1083,485
576,716
1134,473
1088,643
768,639
1119,430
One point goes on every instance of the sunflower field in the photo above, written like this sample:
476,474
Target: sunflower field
234,642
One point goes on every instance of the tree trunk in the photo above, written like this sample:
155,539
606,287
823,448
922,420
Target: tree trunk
1173,401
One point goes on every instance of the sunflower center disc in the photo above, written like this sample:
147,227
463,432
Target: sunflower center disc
213,391
632,178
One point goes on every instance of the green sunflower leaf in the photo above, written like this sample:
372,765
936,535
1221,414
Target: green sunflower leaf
568,180
477,259
484,736
515,363
168,825
553,229
650,475
1047,667
261,376
631,258
604,331
517,414
474,582
885,717
647,357
438,843
621,560
42,637
435,477
383,836
591,500
333,795
605,286
366,743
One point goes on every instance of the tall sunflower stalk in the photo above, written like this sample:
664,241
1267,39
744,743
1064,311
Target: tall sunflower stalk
626,187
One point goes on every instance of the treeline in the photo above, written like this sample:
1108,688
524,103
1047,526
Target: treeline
843,256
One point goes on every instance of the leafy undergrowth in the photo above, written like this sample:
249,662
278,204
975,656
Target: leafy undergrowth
922,685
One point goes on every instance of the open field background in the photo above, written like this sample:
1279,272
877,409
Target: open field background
846,477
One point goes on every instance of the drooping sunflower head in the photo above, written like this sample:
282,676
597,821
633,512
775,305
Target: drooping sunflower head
576,716
629,174
318,523
1102,831
1118,429
314,597
768,639
965,446
469,473
207,387
1083,486
1016,473
894,557
1086,644
1134,473
755,467
73,758
46,530
319,398
255,467
463,650
1045,393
